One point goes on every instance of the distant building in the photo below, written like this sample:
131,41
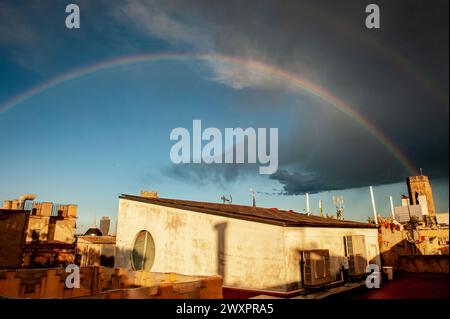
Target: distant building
429,237
395,239
96,250
418,203
42,233
421,193
252,248
105,223
404,213
93,231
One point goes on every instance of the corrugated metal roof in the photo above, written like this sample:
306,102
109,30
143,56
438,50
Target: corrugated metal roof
256,214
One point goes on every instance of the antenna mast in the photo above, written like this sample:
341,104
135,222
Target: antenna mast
338,201
253,196
320,208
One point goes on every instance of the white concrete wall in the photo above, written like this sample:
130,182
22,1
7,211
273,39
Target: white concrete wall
256,255
308,238
187,243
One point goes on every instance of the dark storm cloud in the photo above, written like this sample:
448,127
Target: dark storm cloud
397,77
301,183
204,174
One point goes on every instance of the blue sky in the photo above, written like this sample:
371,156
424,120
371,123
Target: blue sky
92,138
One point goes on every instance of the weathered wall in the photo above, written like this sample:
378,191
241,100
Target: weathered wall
91,253
50,228
12,228
64,230
394,243
424,264
434,241
40,224
106,283
246,254
309,238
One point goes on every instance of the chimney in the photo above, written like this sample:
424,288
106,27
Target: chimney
149,194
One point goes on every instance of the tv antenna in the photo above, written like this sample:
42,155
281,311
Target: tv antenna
253,196
227,200
338,201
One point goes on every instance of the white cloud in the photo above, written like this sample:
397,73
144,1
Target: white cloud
159,20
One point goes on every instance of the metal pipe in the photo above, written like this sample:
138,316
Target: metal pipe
373,205
307,202
392,207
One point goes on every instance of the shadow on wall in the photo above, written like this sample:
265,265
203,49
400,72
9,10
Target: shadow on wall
221,229
392,256
141,253
330,268
91,257
123,258
316,270
406,256
315,267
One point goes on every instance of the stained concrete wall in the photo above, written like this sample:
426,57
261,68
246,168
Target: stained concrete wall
40,224
64,231
246,254
310,238
92,253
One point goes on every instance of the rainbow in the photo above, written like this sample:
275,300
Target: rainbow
269,70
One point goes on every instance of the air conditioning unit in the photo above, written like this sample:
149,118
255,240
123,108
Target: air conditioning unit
315,267
356,251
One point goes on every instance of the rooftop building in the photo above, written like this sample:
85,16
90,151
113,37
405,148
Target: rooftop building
42,235
252,248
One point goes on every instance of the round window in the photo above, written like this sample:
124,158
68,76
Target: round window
143,254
